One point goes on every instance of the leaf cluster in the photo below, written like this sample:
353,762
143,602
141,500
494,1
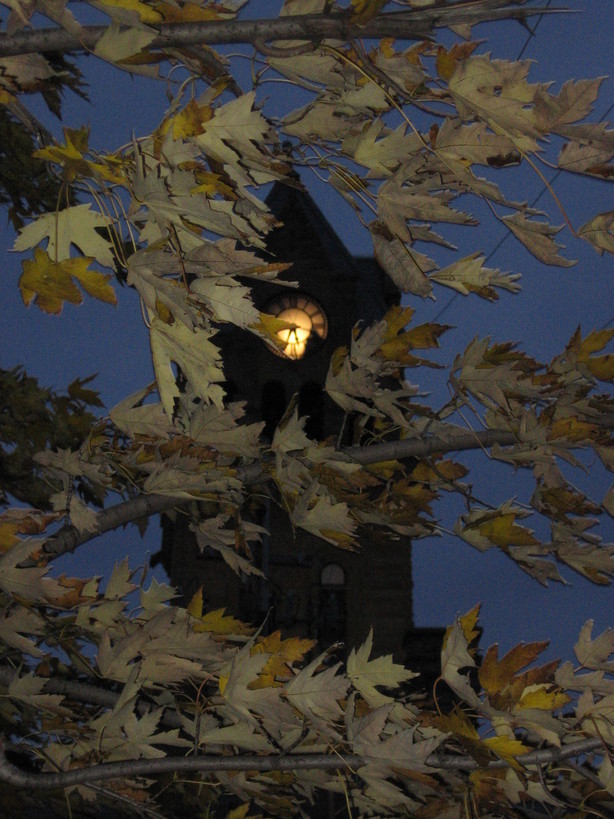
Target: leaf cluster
33,419
403,130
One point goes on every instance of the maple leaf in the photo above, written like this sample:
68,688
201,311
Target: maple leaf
475,143
598,653
76,225
290,432
406,267
29,689
136,418
227,300
538,237
282,656
507,749
602,367
499,676
323,517
194,354
468,275
497,91
317,690
573,102
484,529
236,682
231,136
221,430
365,10
368,675
72,157
148,272
50,283
217,622
379,149
118,44
599,231
388,747
456,659
26,583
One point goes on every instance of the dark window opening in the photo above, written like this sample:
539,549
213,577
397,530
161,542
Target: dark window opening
311,404
273,406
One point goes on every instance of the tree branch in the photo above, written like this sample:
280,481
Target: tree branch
415,24
459,440
12,775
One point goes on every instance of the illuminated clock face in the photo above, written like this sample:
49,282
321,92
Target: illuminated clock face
307,324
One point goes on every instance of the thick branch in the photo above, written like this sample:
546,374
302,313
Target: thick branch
421,447
292,762
141,506
415,24
460,440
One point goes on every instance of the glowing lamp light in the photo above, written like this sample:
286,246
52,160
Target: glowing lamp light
306,319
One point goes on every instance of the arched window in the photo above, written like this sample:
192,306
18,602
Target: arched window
332,575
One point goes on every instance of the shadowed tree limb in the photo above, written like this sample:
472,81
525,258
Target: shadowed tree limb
12,775
415,24
459,440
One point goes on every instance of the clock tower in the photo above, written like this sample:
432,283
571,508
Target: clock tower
311,588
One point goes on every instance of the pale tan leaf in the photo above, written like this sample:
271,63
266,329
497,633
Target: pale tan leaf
538,237
76,226
406,267
595,654
317,690
381,672
117,44
194,354
599,231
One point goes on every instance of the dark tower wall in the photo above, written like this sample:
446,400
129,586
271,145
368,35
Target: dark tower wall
312,588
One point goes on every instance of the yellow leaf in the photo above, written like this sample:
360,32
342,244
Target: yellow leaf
189,122
146,13
219,623
445,63
164,314
186,13
546,698
572,429
283,654
71,156
268,326
469,624
195,606
337,359
396,319
339,539
602,366
51,283
502,531
6,98
94,283
238,813
211,184
365,10
507,749
8,535
439,472
496,675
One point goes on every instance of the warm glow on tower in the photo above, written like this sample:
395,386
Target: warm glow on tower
306,319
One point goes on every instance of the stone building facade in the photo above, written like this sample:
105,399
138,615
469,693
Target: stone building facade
312,588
